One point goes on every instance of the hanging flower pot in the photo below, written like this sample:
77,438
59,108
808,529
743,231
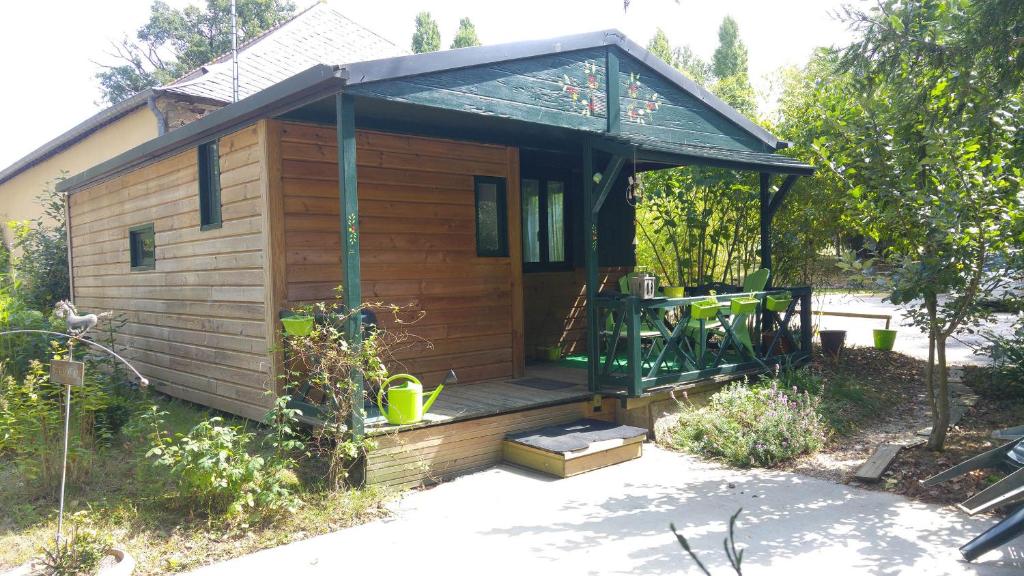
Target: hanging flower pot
743,305
298,325
832,342
778,302
884,338
704,310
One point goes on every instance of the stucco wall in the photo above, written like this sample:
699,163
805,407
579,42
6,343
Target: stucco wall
18,195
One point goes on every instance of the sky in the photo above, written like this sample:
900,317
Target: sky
51,47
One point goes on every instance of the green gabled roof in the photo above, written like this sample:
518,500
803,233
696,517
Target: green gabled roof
687,120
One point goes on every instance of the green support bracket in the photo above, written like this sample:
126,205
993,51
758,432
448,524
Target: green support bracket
349,204
608,177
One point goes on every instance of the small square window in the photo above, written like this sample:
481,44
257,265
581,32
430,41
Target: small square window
142,244
491,219
209,186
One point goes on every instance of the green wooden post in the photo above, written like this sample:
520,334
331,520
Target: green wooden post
766,223
612,90
349,204
633,365
590,264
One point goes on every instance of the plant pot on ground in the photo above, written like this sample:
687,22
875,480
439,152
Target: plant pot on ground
832,343
782,345
550,353
884,338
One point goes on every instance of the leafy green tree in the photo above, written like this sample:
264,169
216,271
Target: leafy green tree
926,143
730,57
661,47
466,36
427,37
729,65
175,41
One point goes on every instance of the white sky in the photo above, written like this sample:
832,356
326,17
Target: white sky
48,46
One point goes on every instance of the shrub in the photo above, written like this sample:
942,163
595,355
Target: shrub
213,469
752,426
1005,379
42,266
31,426
80,552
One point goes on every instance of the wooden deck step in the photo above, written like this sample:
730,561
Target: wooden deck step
569,449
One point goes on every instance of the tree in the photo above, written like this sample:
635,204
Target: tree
729,65
175,41
661,47
730,57
427,37
925,140
466,36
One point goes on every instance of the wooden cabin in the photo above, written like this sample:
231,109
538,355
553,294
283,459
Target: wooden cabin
485,187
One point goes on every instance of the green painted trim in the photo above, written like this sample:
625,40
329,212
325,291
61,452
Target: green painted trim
348,193
501,200
208,162
612,89
149,229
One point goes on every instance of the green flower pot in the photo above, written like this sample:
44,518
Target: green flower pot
704,310
551,353
674,291
884,339
298,325
743,305
778,302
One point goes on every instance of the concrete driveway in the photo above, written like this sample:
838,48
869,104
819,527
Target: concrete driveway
910,340
615,521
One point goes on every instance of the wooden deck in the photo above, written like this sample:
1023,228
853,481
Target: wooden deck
543,385
467,424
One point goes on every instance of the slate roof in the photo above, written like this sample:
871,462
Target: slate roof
318,34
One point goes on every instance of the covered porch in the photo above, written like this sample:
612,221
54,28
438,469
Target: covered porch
584,112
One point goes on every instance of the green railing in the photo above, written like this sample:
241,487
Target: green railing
646,344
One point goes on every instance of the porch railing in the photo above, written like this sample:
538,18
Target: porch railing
646,344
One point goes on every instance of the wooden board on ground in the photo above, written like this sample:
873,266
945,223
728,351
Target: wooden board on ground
565,464
872,469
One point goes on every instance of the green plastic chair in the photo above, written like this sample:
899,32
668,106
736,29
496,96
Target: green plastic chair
756,281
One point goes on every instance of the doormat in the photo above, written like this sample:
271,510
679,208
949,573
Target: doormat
543,384
576,436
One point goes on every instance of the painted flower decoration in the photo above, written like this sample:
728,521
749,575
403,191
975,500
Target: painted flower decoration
641,107
583,94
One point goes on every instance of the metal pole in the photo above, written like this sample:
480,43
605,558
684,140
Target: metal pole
64,463
234,53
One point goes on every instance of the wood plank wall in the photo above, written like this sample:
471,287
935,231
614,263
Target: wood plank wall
555,308
196,323
418,247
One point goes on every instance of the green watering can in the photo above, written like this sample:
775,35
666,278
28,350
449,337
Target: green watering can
405,398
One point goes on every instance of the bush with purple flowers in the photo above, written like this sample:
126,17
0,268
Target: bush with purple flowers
746,425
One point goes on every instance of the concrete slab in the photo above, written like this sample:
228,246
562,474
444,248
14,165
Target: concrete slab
615,521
